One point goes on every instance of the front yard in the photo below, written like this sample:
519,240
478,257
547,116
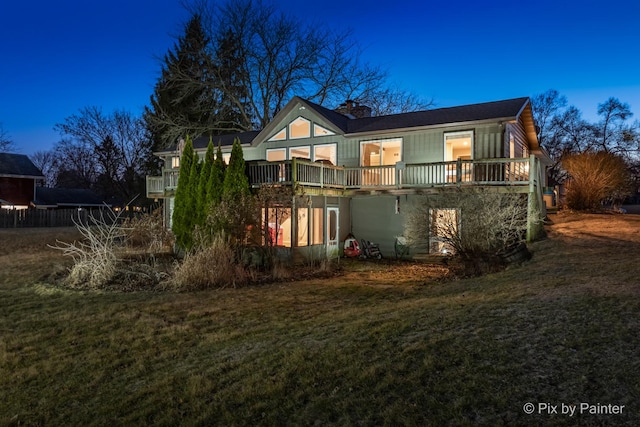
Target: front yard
376,345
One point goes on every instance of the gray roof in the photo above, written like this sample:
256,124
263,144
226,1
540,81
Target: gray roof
18,165
76,197
464,113
225,140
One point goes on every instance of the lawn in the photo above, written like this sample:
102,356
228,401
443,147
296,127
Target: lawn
381,344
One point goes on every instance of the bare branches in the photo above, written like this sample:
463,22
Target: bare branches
6,143
95,259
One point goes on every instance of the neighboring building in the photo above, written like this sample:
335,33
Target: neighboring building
18,180
354,173
66,198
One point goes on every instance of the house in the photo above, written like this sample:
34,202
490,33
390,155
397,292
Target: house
354,173
18,179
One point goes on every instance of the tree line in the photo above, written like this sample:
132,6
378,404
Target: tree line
598,161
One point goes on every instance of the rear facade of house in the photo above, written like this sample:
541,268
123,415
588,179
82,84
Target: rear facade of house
357,174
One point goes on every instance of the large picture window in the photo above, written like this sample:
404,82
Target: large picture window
325,153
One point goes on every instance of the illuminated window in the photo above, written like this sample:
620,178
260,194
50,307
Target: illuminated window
280,136
458,145
317,226
300,153
226,157
276,154
175,162
320,131
303,226
300,128
325,153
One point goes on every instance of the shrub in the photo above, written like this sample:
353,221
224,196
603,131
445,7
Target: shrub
95,259
147,232
211,266
486,226
595,178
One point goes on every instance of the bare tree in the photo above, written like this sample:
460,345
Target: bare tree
47,162
281,57
111,149
614,134
546,106
6,143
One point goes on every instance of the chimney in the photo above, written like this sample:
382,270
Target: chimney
353,109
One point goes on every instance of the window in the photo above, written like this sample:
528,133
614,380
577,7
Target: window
226,157
325,153
320,131
300,128
276,154
300,153
386,152
458,146
280,136
381,153
317,226
175,162
303,226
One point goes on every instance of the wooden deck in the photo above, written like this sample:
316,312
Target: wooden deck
525,173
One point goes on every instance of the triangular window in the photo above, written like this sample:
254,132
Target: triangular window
320,131
280,136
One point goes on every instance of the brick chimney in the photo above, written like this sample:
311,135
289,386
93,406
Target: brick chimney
353,109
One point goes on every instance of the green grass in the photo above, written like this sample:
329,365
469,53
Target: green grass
365,348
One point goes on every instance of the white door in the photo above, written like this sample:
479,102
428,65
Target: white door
333,233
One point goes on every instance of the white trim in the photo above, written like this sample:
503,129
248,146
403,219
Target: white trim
297,147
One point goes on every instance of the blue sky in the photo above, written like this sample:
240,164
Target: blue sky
57,57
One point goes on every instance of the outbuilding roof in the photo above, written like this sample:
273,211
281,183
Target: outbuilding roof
67,197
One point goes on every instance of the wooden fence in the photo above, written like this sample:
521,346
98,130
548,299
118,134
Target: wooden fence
20,218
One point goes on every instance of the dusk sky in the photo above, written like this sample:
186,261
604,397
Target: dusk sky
57,57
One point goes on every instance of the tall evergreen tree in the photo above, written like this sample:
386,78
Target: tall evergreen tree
181,208
184,101
236,183
202,199
216,180
234,103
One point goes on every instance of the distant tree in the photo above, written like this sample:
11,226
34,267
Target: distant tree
547,106
184,100
182,209
6,143
113,152
613,133
595,178
47,162
76,164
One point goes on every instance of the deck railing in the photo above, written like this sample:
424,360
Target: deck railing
398,176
